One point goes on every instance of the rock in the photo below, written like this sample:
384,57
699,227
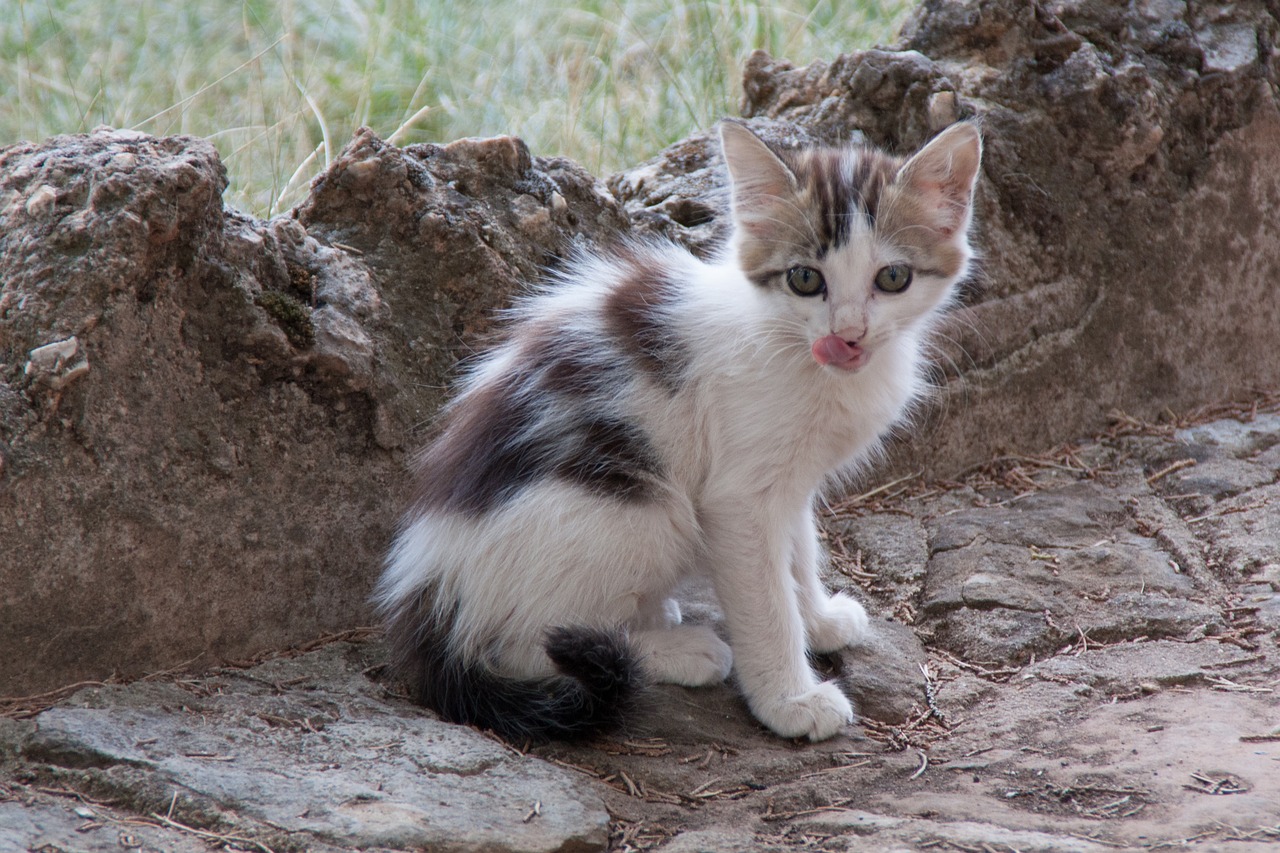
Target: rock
1008,583
962,834
56,365
893,548
714,841
445,234
204,418
46,827
1240,439
883,673
1245,530
681,194
1129,669
343,767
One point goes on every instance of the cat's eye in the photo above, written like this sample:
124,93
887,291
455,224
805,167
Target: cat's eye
894,278
806,281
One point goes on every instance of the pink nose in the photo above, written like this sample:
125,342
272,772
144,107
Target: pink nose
835,351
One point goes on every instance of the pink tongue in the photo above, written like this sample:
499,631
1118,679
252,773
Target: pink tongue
833,350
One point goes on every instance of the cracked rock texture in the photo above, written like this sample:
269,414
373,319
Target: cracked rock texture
1018,692
341,766
204,418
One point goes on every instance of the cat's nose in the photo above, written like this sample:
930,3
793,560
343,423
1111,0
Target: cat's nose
851,335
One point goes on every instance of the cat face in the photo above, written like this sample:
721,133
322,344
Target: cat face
852,247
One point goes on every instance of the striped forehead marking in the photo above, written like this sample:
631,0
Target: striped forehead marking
839,186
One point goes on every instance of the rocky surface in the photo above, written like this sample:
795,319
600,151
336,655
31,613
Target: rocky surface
1075,651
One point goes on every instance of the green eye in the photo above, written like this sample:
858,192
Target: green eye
806,281
893,279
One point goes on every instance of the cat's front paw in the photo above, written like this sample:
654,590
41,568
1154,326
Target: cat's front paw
816,714
841,622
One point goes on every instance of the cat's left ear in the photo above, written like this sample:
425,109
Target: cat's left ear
758,178
945,173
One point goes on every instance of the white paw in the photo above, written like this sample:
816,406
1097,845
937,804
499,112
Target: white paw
817,714
690,655
842,622
657,615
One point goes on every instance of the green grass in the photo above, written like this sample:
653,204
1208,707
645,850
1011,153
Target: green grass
280,86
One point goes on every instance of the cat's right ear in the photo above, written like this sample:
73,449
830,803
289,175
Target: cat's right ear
758,178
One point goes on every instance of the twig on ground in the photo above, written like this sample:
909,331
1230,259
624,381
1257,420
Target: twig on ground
208,835
1169,469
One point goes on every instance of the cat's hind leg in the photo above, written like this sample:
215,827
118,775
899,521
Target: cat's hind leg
831,622
689,655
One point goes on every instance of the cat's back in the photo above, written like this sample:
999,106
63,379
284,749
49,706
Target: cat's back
584,387
617,321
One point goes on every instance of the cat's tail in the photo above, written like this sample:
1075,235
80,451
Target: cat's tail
599,681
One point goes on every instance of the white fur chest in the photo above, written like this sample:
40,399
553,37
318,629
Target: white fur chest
759,422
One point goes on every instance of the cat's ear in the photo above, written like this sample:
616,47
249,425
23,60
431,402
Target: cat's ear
758,178
944,173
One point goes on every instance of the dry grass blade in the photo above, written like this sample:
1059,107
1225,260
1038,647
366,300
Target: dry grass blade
999,674
1229,686
1260,401
653,747
770,816
1217,783
1169,469
220,839
21,707
851,504
826,771
1230,510
635,836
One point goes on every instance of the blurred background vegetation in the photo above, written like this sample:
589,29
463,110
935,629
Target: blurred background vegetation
279,87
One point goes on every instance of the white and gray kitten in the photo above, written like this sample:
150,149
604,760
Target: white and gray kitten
652,415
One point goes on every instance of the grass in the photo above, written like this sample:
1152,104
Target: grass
280,86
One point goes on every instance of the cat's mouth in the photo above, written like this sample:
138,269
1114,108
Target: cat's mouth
835,351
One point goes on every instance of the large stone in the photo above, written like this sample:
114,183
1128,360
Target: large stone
1130,669
204,418
884,674
85,829
1061,565
342,767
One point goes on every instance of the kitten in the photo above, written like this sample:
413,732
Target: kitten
654,415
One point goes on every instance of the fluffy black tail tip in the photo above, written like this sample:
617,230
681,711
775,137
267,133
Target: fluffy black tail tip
598,687
600,684
605,667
